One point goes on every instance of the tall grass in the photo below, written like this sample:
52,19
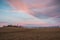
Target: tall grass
13,33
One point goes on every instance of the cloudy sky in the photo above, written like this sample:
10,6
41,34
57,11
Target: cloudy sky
30,12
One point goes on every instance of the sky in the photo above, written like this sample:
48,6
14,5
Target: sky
30,12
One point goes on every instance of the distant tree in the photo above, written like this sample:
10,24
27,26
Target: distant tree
4,26
13,26
20,26
9,26
58,26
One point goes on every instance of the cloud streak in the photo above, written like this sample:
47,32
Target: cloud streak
46,10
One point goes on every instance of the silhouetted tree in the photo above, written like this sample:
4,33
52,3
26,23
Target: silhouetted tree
4,26
13,26
9,26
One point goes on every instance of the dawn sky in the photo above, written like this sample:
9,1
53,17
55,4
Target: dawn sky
33,12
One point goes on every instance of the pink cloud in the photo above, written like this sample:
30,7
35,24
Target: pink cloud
18,5
45,7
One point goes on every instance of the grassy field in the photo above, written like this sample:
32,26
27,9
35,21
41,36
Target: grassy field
12,33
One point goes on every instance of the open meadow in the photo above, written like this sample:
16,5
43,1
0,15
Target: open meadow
13,33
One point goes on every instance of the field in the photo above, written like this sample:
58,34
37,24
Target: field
13,33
